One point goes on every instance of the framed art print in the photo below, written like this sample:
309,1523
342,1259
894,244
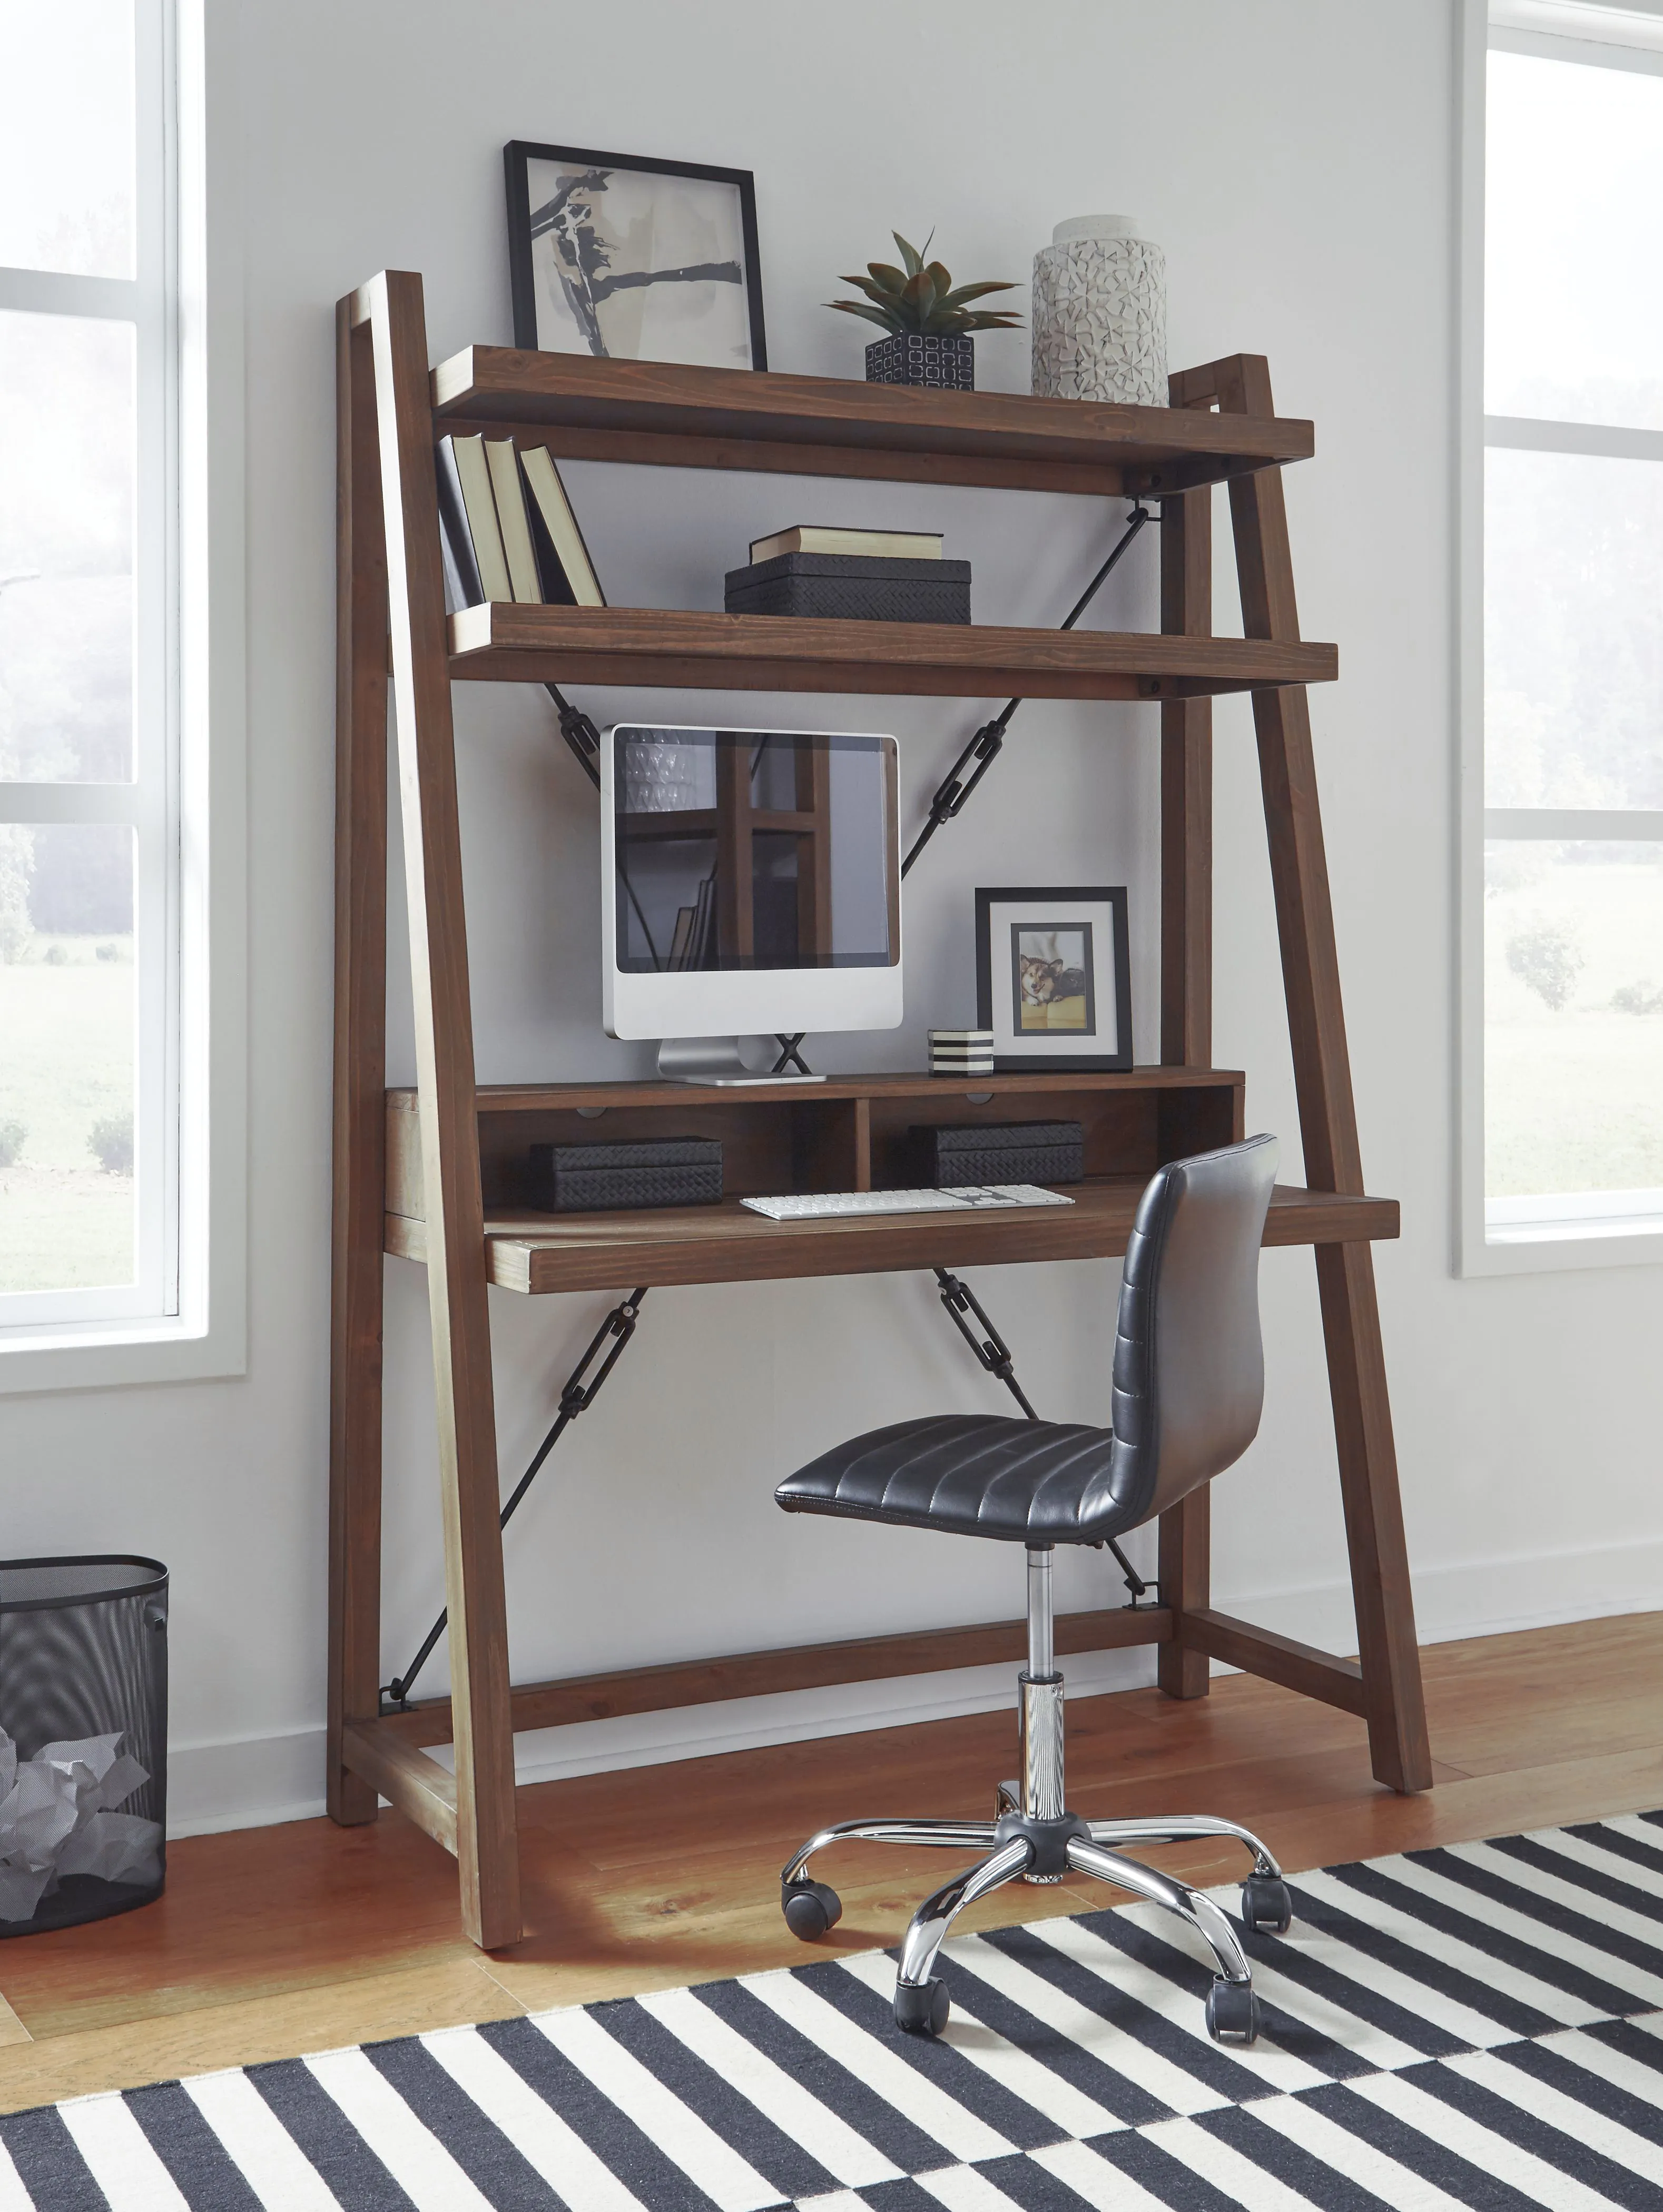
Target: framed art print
629,259
1053,979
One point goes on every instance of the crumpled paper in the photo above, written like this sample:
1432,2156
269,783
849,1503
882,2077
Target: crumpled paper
59,1817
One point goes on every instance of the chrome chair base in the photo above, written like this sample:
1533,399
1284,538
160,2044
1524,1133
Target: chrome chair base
1033,1838
1009,1848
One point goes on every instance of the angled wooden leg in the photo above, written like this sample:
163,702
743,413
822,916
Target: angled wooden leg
487,1849
1186,988
1393,1704
355,1382
1393,1700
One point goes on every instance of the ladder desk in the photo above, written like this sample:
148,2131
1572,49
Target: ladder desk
434,1174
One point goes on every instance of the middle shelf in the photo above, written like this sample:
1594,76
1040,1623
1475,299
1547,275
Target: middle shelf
694,649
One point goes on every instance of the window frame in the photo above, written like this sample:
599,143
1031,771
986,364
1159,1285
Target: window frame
190,895
1552,1237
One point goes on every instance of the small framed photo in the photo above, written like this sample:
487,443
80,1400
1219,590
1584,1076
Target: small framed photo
1053,979
633,260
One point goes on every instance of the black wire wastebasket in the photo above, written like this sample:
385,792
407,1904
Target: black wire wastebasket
84,1739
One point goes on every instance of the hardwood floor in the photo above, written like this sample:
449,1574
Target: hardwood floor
270,1942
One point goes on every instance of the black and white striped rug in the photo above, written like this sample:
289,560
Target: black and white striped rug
1480,2026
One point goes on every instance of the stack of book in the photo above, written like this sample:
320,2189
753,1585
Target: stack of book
507,530
859,575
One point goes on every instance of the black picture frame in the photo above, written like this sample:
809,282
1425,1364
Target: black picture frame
1105,967
517,156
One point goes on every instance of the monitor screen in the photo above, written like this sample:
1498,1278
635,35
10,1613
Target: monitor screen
753,850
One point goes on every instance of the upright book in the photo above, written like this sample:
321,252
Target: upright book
569,577
513,521
467,509
462,586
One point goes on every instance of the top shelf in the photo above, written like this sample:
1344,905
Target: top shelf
676,416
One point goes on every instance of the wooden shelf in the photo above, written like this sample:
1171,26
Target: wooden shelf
724,419
689,648
540,1252
949,1091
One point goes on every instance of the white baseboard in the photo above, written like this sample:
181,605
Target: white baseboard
254,1781
1480,1597
247,1782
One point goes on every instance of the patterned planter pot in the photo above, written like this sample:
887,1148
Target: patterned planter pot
1099,314
944,364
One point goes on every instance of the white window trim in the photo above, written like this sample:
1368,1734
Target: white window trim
207,1335
1533,1235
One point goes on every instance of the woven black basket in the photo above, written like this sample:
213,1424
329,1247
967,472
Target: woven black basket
851,588
615,1178
1000,1152
84,1654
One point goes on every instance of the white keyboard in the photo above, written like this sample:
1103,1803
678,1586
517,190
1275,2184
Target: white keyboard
972,1198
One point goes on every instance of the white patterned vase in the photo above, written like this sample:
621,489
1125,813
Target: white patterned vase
1099,314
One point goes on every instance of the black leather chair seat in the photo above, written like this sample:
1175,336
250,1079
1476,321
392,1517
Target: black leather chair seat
967,1474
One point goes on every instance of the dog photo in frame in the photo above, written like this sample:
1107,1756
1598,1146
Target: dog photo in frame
1053,978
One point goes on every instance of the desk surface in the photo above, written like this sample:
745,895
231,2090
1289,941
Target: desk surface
539,1253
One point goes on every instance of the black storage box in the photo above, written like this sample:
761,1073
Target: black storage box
851,588
1000,1152
607,1178
84,1739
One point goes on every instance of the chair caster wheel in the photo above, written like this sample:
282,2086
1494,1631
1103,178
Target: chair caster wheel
922,2010
810,1908
1232,2013
1266,1907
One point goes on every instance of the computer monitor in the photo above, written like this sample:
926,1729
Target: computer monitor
751,882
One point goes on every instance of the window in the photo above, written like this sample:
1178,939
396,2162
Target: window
89,822
1570,962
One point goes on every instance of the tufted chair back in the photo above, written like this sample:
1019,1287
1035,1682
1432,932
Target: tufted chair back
1188,1361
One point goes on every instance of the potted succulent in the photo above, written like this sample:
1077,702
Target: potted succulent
930,325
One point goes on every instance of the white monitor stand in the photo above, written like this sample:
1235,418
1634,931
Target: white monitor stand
714,1061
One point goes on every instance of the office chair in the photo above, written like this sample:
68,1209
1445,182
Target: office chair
1188,1389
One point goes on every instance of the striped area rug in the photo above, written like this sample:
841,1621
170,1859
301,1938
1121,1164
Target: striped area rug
1480,2026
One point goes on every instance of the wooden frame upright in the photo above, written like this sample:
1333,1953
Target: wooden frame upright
424,1195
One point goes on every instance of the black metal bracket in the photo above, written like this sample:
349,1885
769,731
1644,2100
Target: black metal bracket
985,747
576,1398
994,1356
990,1347
580,733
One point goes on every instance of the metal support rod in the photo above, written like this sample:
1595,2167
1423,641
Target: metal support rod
580,733
984,748
576,1398
990,1349
994,1355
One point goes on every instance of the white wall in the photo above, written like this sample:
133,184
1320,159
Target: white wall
1296,159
